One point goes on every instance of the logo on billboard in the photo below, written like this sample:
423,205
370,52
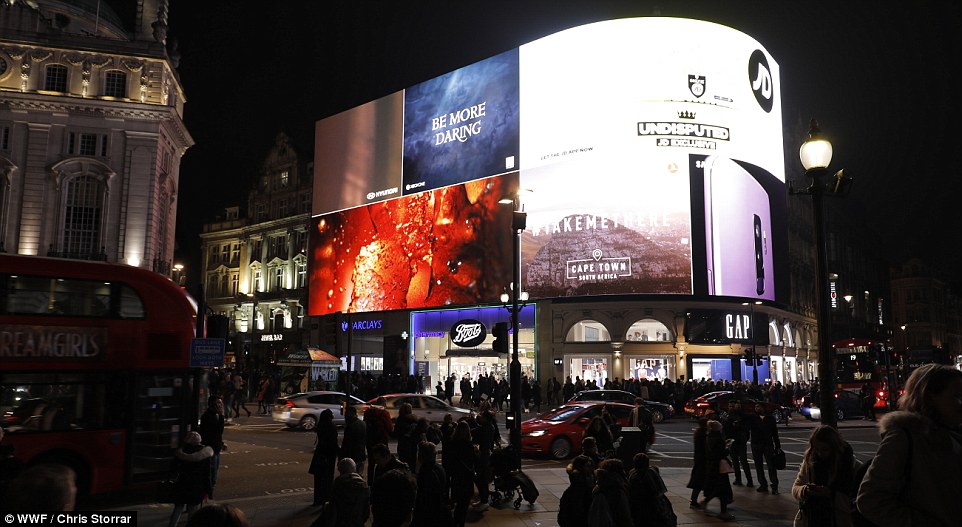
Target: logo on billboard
760,77
696,83
598,267
468,333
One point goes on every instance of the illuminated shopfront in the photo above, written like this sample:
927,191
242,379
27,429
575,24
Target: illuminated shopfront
438,356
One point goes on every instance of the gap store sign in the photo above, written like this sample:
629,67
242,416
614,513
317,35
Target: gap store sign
655,170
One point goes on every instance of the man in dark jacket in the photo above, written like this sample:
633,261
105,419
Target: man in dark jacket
484,437
449,389
382,461
354,443
351,496
738,429
432,507
193,483
764,443
576,499
378,428
212,430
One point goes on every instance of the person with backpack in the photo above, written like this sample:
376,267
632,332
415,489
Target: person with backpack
650,506
916,476
823,486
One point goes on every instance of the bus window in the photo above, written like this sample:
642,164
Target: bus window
130,304
36,402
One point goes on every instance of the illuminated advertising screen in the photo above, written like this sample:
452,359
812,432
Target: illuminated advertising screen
643,169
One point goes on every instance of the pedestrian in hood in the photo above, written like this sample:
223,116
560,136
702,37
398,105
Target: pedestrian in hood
193,477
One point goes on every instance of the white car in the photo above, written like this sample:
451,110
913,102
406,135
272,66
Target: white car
304,409
426,406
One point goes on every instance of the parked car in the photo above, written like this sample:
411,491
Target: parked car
659,411
422,405
848,403
717,403
558,432
304,409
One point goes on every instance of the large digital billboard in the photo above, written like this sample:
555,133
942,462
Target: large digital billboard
645,169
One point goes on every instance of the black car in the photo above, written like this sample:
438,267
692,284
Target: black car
848,403
659,411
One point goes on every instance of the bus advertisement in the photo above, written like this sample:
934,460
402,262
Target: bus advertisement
95,369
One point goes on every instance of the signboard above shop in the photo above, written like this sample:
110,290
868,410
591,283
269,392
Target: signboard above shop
726,327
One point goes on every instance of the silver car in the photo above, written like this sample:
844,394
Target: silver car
304,409
426,406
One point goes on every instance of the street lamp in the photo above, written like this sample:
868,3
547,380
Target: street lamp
815,155
519,220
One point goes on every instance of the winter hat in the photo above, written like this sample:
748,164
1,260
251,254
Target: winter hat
192,438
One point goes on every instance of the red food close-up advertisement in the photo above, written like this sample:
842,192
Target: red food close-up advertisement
448,246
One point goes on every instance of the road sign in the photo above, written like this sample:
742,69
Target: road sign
206,353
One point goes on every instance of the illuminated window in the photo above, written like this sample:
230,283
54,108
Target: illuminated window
284,178
588,331
81,228
55,78
115,84
648,330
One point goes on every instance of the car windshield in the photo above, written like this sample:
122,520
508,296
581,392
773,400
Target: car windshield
560,414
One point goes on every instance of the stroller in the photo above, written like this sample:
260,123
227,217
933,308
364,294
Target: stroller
508,480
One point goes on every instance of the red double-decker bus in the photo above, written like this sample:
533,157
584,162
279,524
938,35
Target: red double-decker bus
862,361
94,368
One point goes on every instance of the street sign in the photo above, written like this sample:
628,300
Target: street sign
206,353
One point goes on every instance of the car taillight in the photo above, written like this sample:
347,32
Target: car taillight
289,404
702,405
881,394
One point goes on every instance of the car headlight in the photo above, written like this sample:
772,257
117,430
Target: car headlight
536,433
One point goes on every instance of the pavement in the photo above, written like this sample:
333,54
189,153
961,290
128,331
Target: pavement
750,508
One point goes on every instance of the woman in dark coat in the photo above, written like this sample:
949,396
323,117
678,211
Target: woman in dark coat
598,429
717,484
192,466
460,470
697,477
325,457
611,483
405,429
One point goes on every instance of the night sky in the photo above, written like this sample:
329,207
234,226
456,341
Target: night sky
881,82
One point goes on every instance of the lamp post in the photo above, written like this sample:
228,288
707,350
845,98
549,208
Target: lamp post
815,155
518,222
253,329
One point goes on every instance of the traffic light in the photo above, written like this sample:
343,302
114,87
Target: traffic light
500,332
749,358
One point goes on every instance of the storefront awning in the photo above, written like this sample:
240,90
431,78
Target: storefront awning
472,352
309,357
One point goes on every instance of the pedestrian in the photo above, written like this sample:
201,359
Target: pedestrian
10,467
264,394
218,515
405,430
350,495
640,417
738,429
609,497
916,475
229,391
240,395
764,435
867,401
392,498
823,486
439,391
191,475
462,458
383,461
483,436
47,487
599,430
449,389
212,430
696,480
324,458
647,494
378,428
354,443
717,467
576,499
432,507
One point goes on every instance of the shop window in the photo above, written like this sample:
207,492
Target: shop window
648,330
588,331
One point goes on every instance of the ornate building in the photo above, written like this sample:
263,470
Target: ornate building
255,264
91,132
926,311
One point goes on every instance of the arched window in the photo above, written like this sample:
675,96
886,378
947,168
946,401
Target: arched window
55,78
588,331
83,201
648,330
115,84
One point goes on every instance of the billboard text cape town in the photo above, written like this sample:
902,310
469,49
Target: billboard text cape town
645,170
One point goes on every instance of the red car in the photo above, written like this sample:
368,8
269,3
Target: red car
558,432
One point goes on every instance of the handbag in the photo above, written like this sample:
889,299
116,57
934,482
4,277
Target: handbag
725,467
778,459
166,491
